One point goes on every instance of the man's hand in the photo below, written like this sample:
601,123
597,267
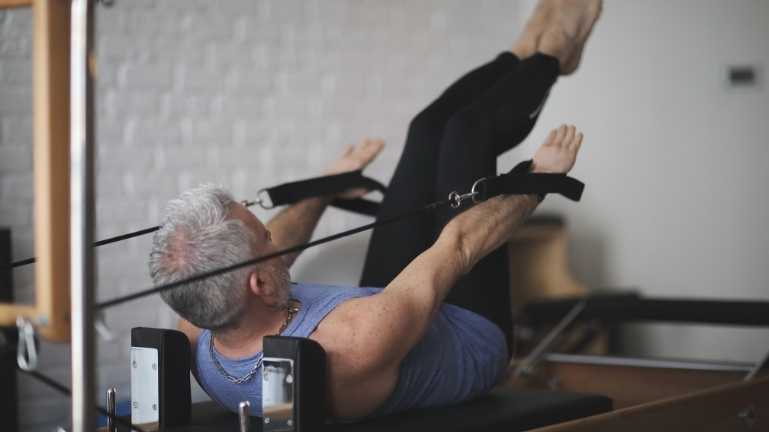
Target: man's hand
356,157
559,151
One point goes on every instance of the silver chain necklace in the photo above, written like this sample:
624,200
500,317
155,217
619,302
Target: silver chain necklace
291,311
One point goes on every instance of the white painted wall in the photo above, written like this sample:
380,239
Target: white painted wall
250,94
675,162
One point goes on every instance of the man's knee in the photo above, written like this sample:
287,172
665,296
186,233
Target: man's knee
428,122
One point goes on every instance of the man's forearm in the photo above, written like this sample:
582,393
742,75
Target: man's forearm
294,225
398,317
487,226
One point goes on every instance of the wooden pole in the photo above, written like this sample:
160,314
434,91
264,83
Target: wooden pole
51,166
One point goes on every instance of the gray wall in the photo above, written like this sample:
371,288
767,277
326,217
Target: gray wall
250,94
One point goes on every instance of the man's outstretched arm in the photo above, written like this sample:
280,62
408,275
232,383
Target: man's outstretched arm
367,338
295,224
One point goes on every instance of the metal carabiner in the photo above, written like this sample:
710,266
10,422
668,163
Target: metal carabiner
26,355
102,329
260,200
455,199
474,190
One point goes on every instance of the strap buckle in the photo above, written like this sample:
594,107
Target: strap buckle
455,199
262,197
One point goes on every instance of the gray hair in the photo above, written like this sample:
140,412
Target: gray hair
198,235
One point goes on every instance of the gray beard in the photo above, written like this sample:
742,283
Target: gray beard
282,283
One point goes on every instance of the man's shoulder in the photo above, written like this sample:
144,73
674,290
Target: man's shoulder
357,381
346,333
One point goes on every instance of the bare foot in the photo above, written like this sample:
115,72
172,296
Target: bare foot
559,28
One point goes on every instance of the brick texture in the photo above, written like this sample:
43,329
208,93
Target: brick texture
242,93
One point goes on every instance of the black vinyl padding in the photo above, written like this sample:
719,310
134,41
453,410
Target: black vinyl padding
504,409
630,307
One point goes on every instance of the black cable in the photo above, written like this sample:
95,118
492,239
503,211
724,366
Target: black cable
252,261
61,388
109,240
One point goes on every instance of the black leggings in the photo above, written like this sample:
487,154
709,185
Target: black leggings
450,144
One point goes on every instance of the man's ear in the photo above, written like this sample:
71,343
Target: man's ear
256,284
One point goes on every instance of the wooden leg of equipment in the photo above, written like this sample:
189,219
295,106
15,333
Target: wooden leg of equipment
51,171
731,407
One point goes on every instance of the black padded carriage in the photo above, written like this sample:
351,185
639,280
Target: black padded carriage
504,409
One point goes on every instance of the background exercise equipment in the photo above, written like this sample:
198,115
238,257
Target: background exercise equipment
8,390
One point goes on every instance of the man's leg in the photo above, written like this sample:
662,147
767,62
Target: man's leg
551,45
412,186
468,153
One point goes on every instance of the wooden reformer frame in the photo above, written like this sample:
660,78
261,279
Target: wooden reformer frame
648,394
50,313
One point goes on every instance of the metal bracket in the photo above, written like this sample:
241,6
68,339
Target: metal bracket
26,355
529,363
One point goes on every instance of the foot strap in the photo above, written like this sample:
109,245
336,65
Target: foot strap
292,192
519,181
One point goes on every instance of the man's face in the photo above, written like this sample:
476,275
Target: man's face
278,275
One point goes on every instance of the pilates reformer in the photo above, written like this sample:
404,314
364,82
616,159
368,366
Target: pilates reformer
65,85
546,390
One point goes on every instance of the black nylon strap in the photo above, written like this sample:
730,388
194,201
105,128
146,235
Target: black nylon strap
358,205
520,181
289,193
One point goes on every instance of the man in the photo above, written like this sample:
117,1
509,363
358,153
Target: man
437,332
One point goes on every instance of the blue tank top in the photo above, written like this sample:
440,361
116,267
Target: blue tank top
461,356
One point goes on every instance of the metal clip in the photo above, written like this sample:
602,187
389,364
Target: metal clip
26,355
244,409
100,324
455,199
262,197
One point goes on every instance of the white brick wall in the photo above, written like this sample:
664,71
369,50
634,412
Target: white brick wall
244,93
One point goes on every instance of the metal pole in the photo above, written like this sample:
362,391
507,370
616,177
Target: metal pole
82,215
527,365
112,409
